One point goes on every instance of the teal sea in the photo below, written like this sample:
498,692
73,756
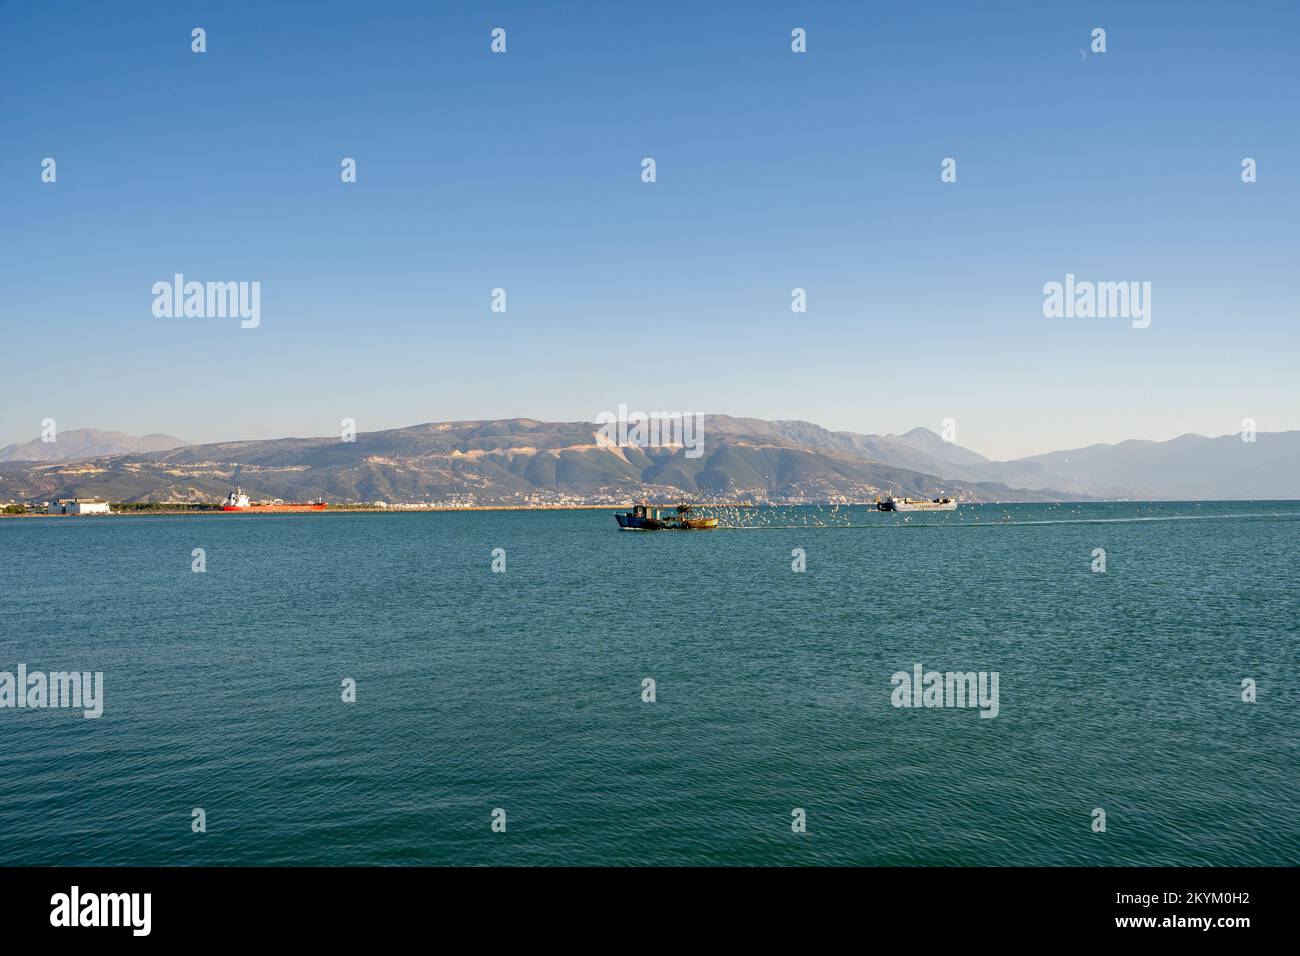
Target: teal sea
476,690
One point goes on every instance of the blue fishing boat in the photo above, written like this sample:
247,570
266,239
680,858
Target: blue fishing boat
646,518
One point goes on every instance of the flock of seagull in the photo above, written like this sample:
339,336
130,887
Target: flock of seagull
785,517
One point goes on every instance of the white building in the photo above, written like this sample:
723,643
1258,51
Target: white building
77,506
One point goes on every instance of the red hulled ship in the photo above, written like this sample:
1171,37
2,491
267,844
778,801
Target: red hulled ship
238,501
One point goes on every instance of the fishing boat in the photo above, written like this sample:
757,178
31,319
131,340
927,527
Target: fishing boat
890,503
646,518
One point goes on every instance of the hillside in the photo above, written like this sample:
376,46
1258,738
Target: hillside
525,461
515,461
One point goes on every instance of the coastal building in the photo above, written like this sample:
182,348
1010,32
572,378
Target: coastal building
77,506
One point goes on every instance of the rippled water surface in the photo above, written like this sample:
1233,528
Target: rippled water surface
522,690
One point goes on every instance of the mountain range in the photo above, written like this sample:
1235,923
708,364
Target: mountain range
1189,467
78,443
525,461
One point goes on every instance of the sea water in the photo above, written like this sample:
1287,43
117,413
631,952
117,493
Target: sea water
1162,691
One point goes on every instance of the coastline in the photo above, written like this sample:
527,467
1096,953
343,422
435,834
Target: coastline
407,509
410,509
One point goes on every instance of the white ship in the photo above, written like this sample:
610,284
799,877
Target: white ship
237,501
890,503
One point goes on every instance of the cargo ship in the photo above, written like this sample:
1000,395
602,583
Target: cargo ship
890,503
645,518
238,501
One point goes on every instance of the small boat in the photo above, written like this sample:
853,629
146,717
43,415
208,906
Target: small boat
890,503
646,518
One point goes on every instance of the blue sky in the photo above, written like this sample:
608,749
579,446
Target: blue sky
775,170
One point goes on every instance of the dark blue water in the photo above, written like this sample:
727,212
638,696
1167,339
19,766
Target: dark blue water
522,690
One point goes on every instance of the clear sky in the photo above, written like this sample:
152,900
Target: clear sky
775,170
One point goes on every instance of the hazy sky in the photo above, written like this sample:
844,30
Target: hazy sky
775,170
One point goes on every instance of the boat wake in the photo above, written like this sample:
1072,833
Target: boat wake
778,521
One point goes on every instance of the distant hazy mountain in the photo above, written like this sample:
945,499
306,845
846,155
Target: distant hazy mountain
920,449
78,443
1187,467
1184,468
508,461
